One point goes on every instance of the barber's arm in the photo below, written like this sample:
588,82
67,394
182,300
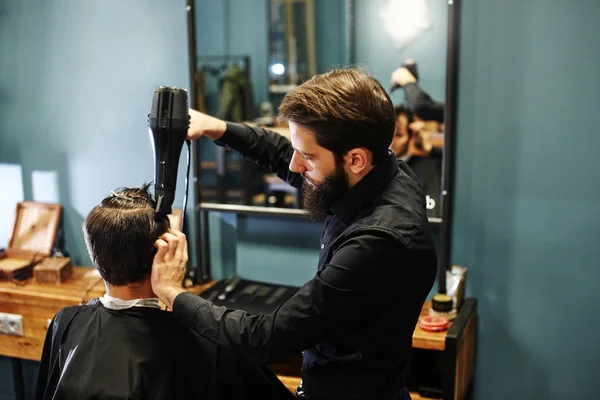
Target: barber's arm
418,101
422,105
341,296
267,148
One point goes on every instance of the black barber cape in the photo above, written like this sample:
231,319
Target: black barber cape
92,352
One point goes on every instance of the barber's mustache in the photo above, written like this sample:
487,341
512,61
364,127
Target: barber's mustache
310,181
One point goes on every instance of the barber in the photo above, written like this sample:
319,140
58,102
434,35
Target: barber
354,320
419,102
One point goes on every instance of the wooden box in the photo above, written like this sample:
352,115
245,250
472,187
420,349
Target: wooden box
53,270
32,238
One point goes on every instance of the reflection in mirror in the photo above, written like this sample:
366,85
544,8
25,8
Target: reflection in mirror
243,76
307,37
410,34
292,55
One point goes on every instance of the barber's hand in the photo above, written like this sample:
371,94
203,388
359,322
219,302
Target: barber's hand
168,267
402,76
203,124
419,145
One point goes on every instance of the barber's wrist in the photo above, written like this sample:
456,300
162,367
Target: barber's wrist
216,130
168,294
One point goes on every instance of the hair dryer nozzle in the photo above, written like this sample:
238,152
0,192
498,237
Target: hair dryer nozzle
168,123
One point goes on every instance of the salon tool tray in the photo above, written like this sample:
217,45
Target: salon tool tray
251,296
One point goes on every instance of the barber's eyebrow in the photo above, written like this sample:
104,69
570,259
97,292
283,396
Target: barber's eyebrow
304,154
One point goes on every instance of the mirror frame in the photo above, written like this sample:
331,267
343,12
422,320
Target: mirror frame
447,193
449,154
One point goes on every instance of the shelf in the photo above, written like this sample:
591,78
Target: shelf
428,340
265,211
415,396
281,89
252,210
231,165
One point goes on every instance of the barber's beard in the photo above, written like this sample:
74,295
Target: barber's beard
317,199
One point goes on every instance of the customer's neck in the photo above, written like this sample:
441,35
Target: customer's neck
141,290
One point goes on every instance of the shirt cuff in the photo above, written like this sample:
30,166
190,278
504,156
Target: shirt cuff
186,305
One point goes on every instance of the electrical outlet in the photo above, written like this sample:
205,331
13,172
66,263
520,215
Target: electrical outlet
11,324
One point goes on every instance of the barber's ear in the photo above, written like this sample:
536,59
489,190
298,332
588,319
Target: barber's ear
358,159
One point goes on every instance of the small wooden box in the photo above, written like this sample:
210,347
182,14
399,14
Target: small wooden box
53,270
32,238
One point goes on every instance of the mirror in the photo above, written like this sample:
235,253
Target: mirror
413,33
292,55
249,57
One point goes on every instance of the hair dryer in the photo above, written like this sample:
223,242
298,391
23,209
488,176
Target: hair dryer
168,123
411,66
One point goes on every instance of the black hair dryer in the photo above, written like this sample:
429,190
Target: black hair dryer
168,123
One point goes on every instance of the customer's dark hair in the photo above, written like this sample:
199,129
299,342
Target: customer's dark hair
402,109
120,235
346,109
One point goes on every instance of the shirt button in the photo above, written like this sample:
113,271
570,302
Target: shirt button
322,246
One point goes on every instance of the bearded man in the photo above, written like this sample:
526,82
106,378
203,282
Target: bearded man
354,320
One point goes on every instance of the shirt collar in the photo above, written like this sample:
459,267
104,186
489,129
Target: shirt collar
114,303
353,200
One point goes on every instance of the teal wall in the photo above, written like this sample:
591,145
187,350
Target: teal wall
76,83
375,49
527,209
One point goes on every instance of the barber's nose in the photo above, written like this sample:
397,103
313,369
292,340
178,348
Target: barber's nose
296,164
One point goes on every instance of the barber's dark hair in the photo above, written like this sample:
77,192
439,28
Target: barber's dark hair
346,109
120,235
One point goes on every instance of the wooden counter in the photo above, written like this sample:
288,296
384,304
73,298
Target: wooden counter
38,303
454,347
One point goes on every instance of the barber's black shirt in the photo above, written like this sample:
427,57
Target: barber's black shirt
428,170
421,104
354,320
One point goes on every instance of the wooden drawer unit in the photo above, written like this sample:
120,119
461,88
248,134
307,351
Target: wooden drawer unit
37,303
441,361
444,361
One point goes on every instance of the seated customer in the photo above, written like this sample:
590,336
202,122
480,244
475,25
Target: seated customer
123,345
